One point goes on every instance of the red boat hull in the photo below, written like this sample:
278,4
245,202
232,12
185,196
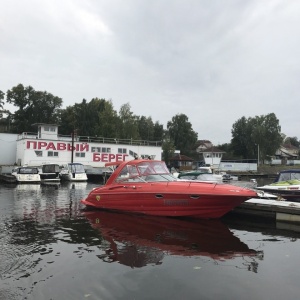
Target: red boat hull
174,199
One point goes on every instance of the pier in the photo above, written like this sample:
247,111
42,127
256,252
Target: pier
279,210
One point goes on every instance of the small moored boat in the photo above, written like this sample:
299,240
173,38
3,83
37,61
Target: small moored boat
286,185
50,173
26,174
147,187
73,172
207,172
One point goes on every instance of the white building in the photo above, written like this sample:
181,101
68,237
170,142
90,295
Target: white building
47,146
8,148
212,156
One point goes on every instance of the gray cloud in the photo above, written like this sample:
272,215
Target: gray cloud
214,61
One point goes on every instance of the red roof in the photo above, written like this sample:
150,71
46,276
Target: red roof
180,157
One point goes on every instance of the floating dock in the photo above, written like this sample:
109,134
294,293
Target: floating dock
279,210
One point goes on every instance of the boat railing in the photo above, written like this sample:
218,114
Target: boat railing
27,135
104,140
94,139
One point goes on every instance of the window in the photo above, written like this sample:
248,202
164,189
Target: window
39,153
122,150
96,149
132,153
53,153
99,149
80,154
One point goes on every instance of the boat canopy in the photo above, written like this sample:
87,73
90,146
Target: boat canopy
76,168
145,171
288,175
51,168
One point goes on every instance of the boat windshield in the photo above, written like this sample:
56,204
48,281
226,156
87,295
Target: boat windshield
50,168
28,171
151,171
289,176
76,168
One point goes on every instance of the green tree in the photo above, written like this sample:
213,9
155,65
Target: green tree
128,127
168,148
4,122
158,132
33,107
292,141
229,153
108,120
87,116
146,128
241,142
93,110
67,120
261,133
181,132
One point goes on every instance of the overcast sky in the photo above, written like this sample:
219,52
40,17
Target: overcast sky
214,61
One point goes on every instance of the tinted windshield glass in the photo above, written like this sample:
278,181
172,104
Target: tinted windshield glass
28,171
77,168
289,176
147,171
152,167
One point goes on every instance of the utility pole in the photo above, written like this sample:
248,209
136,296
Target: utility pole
74,133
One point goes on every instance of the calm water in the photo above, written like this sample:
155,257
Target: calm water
52,249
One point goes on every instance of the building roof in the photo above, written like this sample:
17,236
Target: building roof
207,146
180,157
45,124
288,150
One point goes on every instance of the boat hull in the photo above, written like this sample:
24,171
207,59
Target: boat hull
286,185
30,178
49,177
73,177
178,199
288,192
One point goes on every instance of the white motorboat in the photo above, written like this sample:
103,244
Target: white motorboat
286,185
206,174
73,172
26,174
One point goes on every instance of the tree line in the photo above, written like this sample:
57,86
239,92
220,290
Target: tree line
98,117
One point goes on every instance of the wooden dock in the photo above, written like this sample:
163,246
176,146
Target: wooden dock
279,210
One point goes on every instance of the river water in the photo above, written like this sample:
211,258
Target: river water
52,248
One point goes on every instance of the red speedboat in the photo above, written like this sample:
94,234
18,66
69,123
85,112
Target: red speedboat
147,187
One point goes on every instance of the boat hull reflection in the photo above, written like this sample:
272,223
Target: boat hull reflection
137,240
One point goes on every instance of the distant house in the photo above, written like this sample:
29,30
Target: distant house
211,155
181,162
287,152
